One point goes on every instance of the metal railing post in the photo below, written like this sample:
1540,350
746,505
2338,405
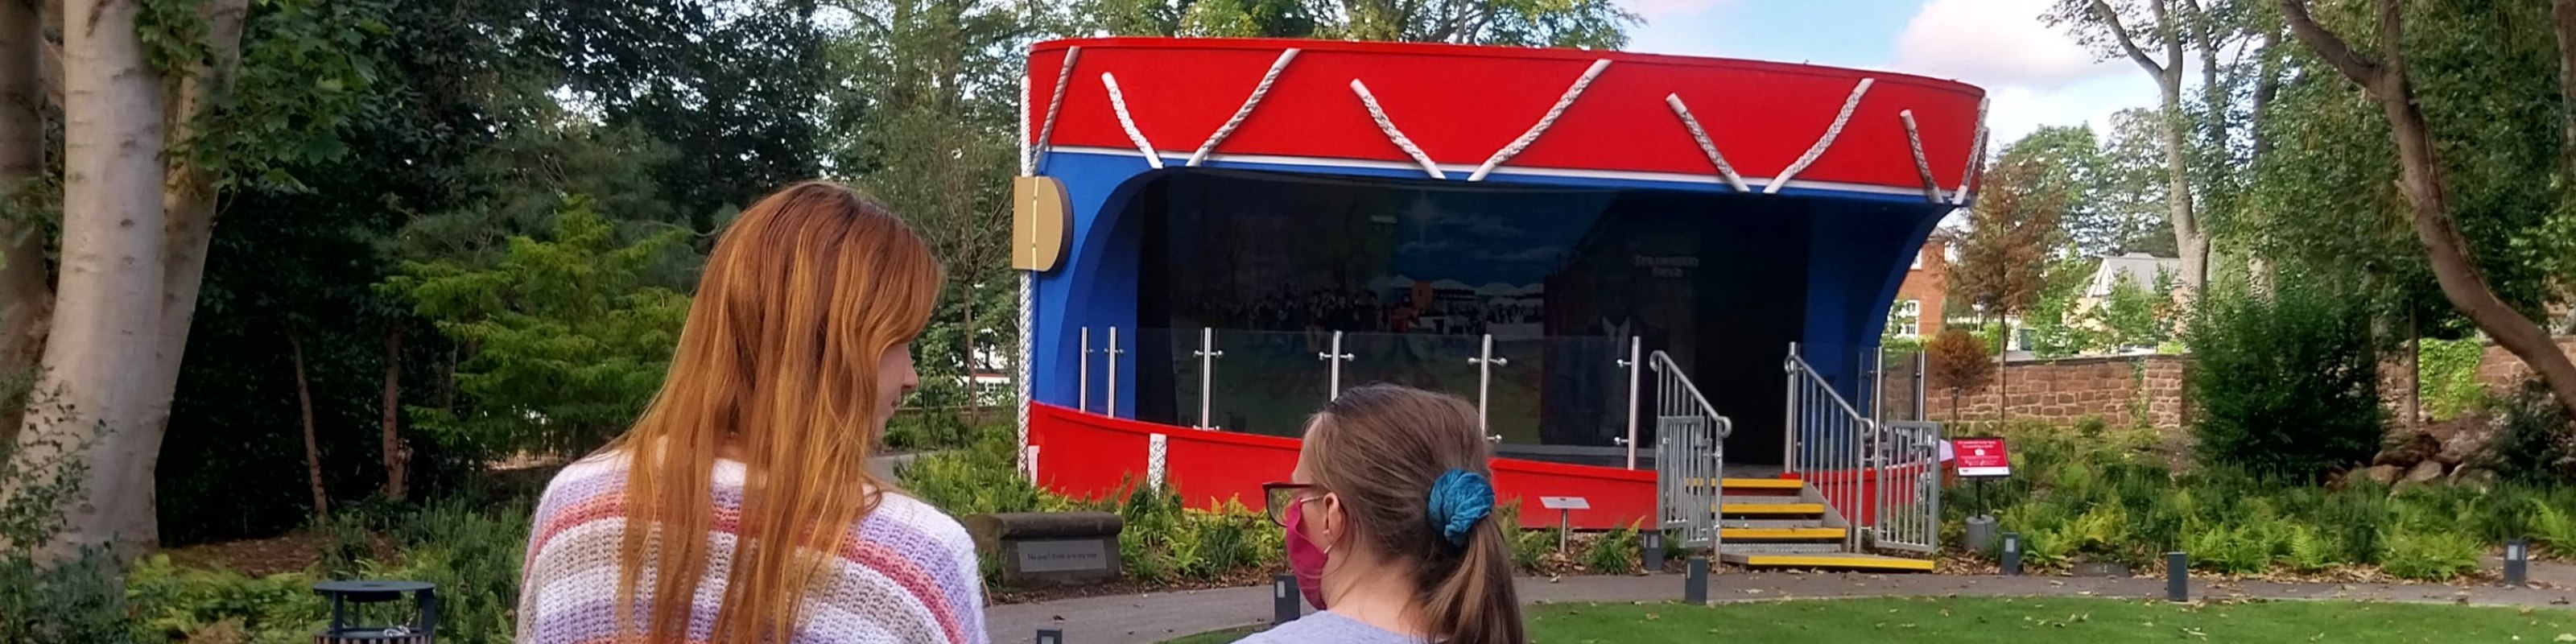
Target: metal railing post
1336,358
1207,354
1634,357
1921,363
1112,406
1485,362
1789,445
1082,389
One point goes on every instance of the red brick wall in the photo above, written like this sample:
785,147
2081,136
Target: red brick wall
2120,390
2128,389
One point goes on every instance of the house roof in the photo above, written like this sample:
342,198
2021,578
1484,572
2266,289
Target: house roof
2139,269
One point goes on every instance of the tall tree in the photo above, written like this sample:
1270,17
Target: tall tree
2386,79
2012,232
1588,24
2156,34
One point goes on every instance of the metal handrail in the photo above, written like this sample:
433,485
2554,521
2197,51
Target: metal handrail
1798,366
1661,361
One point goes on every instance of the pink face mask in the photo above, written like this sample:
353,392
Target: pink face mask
1305,559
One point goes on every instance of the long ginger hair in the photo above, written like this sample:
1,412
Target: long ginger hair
777,366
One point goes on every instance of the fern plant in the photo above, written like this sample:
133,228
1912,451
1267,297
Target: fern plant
2308,550
2431,556
2553,527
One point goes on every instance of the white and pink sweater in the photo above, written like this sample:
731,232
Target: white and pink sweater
906,573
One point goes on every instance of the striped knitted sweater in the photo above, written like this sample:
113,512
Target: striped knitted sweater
906,572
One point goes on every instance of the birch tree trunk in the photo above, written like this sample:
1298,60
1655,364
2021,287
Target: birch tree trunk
188,207
108,308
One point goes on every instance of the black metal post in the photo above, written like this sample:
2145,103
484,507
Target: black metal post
2012,554
1695,582
1050,636
2177,577
1284,598
2517,561
1653,555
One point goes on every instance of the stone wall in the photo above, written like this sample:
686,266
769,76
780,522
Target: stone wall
2130,389
2119,389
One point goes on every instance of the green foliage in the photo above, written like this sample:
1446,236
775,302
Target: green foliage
1529,548
2107,496
2448,374
569,338
2431,555
2537,443
1164,542
1613,553
980,479
45,599
2286,385
473,555
188,604
1589,24
2553,524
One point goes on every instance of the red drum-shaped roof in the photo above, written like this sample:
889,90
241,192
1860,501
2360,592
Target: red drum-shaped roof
1618,115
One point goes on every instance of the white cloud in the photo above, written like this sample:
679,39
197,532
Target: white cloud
2016,110
1994,43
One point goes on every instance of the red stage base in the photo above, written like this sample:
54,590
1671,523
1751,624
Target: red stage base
1091,456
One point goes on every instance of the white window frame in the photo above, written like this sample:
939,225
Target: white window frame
1908,318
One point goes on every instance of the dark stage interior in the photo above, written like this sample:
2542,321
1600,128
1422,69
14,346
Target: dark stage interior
1415,273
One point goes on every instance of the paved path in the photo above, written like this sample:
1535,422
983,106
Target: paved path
1155,617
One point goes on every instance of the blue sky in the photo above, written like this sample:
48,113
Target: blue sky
2033,72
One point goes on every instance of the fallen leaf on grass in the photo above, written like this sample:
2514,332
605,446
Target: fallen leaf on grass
2565,637
2194,632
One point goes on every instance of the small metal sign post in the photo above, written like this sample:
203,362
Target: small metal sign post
1653,555
1283,599
1564,507
2517,561
2012,554
2177,577
1695,581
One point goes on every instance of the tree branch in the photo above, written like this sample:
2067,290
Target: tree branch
2120,33
2361,69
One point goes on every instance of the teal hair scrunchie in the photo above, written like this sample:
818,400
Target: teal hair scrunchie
1458,500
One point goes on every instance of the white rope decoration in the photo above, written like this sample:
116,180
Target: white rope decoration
1026,163
1379,114
1562,102
1705,145
1118,102
1976,156
1240,113
1832,131
1046,131
1028,348
1914,141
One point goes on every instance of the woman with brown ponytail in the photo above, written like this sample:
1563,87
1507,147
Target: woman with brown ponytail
1389,529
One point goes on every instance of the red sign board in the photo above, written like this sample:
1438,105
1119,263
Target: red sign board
1981,457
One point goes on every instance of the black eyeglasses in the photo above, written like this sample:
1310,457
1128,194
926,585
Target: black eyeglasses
1278,498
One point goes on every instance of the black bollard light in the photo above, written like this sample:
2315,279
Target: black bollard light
1050,636
2517,561
1653,543
2177,577
1695,581
2012,554
1283,599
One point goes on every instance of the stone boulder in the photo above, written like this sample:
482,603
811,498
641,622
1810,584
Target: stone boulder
2384,474
2424,472
2415,448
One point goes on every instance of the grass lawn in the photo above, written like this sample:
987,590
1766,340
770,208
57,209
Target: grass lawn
1993,620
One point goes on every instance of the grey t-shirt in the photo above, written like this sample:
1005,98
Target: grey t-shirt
1328,628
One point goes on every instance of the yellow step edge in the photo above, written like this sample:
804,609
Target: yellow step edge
1781,533
1754,484
1771,508
1813,561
